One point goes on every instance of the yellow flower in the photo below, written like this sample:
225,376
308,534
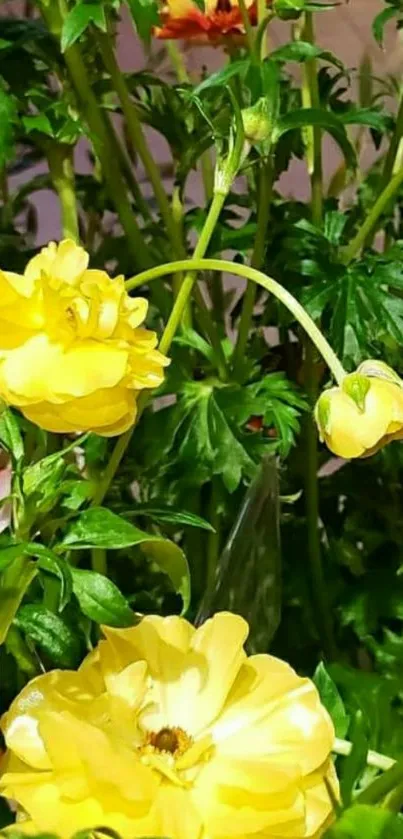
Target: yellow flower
170,731
364,413
72,353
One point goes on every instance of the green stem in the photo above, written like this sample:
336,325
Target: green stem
168,335
248,28
207,171
390,191
213,539
382,785
270,285
263,213
177,62
313,134
319,594
380,761
54,13
98,561
139,141
61,168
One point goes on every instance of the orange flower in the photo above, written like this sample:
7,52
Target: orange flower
220,19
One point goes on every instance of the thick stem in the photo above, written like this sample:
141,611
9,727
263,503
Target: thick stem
383,785
319,594
370,223
258,277
139,141
263,212
98,561
54,13
248,28
61,168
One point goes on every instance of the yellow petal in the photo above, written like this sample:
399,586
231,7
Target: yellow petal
64,262
275,715
319,806
249,799
107,412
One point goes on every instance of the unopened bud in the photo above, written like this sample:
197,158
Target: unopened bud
256,121
288,9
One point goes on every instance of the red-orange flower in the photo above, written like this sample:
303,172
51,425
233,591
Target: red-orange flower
220,19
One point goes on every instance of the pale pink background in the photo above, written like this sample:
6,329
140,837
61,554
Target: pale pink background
346,30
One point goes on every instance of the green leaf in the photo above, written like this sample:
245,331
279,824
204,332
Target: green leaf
145,14
98,527
78,20
359,306
38,122
302,117
10,434
364,822
51,633
47,561
100,599
222,77
380,22
14,583
332,700
168,515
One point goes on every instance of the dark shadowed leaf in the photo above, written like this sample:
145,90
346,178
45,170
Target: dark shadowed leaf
248,579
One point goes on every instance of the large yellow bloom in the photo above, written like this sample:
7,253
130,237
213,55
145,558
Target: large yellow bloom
72,352
364,413
170,731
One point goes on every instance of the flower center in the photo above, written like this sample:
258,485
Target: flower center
175,741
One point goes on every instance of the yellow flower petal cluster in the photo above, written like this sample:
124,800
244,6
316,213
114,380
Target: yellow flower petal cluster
364,413
73,354
167,730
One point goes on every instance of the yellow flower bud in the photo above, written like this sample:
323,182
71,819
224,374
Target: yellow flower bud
167,730
364,413
73,354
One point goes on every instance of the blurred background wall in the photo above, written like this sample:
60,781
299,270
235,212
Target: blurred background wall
346,31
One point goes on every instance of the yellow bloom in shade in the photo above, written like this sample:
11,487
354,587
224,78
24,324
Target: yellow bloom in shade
364,413
167,730
73,354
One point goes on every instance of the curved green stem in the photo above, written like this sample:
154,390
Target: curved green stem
390,191
261,279
61,168
190,278
167,337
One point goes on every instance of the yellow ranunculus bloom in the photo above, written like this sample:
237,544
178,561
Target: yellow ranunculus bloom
166,730
364,413
72,352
